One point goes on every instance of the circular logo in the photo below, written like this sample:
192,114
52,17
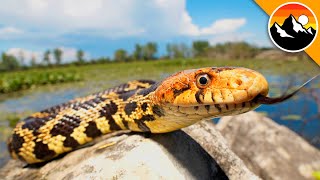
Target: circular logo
293,27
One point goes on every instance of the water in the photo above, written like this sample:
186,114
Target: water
301,113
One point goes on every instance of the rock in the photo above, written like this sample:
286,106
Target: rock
271,151
212,141
162,156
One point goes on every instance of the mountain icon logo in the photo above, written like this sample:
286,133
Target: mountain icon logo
293,27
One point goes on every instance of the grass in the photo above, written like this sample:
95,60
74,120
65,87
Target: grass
121,72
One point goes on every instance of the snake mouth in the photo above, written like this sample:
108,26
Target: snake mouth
210,110
262,99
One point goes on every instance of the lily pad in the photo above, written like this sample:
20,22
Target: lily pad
263,113
293,117
316,175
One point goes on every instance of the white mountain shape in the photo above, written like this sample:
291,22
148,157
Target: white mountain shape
297,26
309,30
282,32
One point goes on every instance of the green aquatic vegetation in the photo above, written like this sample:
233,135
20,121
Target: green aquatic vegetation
12,119
293,117
4,133
263,113
315,85
15,81
316,175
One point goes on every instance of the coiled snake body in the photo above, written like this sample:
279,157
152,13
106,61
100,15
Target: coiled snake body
143,105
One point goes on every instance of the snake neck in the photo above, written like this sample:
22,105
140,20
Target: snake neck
141,111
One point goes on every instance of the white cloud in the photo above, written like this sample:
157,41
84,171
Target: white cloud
9,32
220,26
24,55
187,27
230,37
108,18
223,26
68,55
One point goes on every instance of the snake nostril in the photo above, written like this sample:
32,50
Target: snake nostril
235,83
239,82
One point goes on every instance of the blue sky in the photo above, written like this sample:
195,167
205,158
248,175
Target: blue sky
99,27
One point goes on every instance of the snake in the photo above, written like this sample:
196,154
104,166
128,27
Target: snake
177,101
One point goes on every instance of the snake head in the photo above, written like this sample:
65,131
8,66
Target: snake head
212,92
212,86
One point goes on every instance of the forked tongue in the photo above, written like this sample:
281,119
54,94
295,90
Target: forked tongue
274,100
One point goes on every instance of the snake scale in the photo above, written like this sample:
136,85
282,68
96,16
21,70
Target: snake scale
177,101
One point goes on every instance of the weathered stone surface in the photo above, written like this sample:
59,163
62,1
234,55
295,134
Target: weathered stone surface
271,151
164,156
212,141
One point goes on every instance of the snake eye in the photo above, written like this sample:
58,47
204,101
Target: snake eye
203,80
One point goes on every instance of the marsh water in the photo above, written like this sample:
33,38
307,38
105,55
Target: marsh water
301,113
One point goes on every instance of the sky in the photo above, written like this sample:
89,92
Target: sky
99,27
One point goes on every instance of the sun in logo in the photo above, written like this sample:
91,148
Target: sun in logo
293,27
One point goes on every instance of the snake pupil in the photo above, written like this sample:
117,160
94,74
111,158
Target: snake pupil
203,80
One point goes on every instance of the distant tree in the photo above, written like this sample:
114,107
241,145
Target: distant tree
46,57
200,47
169,49
21,57
9,62
187,52
57,55
149,50
80,55
33,61
221,48
241,50
234,50
178,51
137,54
103,60
120,55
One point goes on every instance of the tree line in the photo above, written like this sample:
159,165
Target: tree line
10,62
141,52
